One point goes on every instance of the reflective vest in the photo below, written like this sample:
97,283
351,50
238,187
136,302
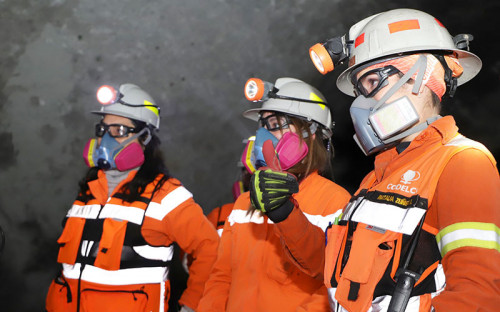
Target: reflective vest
102,251
369,243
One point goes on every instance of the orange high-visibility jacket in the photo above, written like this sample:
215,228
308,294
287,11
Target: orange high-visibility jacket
253,272
456,182
115,255
218,216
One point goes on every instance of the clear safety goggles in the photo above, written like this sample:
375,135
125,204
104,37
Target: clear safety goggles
114,130
275,122
373,80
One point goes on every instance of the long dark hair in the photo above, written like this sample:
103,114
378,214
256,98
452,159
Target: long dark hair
153,166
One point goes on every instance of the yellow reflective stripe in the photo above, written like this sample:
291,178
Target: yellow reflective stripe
469,243
314,97
151,107
469,234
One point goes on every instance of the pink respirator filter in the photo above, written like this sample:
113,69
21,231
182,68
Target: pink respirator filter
291,150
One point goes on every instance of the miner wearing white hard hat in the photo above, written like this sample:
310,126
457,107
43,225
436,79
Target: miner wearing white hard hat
116,246
292,150
422,231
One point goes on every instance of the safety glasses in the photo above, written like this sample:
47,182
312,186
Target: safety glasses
275,122
373,80
114,130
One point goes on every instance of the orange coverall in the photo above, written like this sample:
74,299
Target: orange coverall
252,271
171,216
468,191
218,216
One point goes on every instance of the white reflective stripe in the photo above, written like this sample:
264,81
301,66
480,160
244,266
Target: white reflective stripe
119,277
241,216
388,217
162,298
131,214
173,199
155,253
322,221
332,301
460,140
219,231
439,280
451,240
87,211
381,303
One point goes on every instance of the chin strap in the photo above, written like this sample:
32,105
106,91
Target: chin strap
421,126
450,81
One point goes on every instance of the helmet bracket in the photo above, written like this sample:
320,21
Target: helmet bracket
450,81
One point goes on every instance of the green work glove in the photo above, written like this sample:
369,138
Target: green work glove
270,189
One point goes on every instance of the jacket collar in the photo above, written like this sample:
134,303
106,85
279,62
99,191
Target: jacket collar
99,186
441,131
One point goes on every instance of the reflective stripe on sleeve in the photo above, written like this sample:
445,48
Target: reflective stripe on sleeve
173,199
131,214
241,216
323,221
388,217
119,277
460,140
86,211
155,253
468,234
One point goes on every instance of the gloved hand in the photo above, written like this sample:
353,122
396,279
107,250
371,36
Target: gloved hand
270,189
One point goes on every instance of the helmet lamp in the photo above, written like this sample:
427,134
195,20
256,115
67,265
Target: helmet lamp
325,56
258,90
320,58
107,95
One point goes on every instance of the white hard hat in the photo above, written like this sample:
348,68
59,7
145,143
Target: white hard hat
131,102
399,32
296,98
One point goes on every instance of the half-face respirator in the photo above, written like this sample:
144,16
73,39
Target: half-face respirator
290,149
286,98
111,154
130,102
380,125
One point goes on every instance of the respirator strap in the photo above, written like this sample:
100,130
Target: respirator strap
138,134
420,66
417,128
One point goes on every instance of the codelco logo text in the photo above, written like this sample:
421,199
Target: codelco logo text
407,178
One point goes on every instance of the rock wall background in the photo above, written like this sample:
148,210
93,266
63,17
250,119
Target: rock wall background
193,57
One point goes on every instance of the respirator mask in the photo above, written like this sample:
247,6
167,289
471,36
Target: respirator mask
290,149
380,125
111,154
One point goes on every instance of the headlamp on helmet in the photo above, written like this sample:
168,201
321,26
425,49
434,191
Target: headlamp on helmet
128,101
257,90
107,95
325,56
